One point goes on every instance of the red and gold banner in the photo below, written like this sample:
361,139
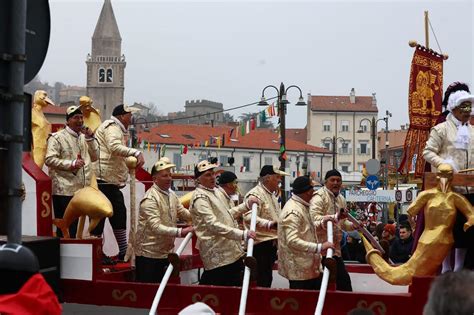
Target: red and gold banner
424,106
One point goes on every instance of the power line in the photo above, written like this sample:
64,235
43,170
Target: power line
199,115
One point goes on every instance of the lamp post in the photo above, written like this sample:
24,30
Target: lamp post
133,131
281,105
333,143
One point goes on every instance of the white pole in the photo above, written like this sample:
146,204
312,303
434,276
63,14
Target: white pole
324,283
245,284
167,275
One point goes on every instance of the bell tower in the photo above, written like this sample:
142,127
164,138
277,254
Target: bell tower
106,64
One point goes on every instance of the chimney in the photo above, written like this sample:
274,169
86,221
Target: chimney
352,96
374,100
402,127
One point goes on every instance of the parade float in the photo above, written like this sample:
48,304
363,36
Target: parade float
74,267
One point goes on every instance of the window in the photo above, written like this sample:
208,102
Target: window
101,75
268,160
344,126
364,148
345,148
364,126
223,160
327,125
327,144
109,75
177,160
345,168
246,163
187,136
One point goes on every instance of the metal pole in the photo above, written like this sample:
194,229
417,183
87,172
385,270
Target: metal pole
373,129
13,121
386,152
282,113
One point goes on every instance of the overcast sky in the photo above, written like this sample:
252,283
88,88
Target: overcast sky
228,51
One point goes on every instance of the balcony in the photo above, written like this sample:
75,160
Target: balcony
344,151
363,152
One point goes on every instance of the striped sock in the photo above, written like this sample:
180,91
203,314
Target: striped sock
121,237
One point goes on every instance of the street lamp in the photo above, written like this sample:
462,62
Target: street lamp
281,104
334,143
132,130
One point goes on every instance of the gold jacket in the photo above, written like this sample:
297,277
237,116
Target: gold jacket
156,232
113,151
219,238
63,148
298,258
268,210
441,146
324,203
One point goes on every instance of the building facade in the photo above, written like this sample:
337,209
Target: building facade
342,124
106,64
203,112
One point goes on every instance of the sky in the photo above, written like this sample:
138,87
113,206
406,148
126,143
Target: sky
228,51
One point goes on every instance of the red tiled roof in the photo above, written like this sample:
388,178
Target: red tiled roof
296,134
257,139
55,110
396,138
342,104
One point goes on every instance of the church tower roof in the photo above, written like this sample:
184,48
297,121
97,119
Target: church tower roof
106,40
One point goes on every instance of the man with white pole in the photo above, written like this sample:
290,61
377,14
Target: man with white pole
298,247
219,238
328,201
160,210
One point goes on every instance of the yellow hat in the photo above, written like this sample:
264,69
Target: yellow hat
203,166
162,164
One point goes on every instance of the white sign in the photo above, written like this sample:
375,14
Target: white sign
375,196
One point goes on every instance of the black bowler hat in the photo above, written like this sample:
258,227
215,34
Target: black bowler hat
227,177
332,173
302,184
124,109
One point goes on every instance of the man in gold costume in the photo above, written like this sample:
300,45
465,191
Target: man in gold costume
299,253
69,157
40,126
327,202
219,238
265,249
112,172
160,210
453,142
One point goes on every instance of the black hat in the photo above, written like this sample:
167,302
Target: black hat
123,109
302,184
227,177
271,170
332,173
72,110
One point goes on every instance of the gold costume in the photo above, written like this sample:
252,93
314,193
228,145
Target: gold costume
325,203
159,213
219,238
90,113
63,148
297,244
441,146
113,151
40,126
267,211
440,205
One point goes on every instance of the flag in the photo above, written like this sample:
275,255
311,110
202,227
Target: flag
218,142
206,143
242,128
252,124
242,169
424,105
282,148
263,116
247,127
231,132
163,150
258,120
185,149
223,139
